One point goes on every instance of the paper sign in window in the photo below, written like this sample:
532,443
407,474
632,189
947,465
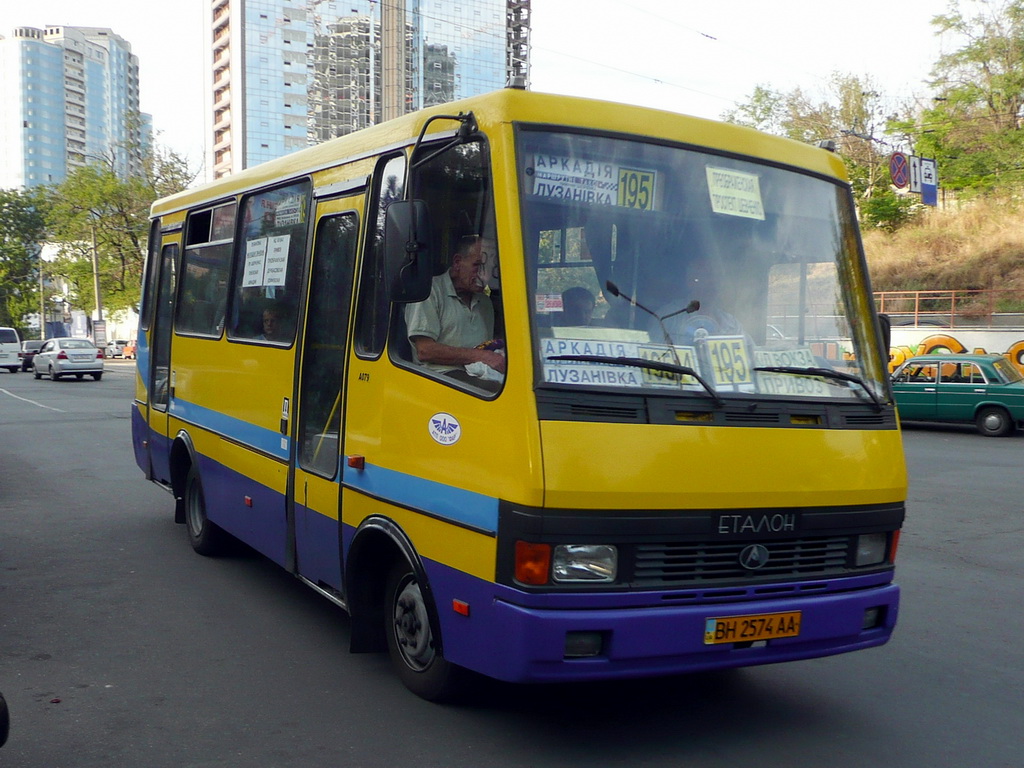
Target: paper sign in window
266,261
276,270
289,211
255,260
735,193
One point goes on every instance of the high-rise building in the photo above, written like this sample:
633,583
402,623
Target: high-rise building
287,74
70,96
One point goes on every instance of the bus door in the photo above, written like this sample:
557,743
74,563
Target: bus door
316,465
155,362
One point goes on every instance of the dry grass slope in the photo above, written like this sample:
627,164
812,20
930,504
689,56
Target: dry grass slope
975,246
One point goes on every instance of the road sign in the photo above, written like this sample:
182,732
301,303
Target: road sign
899,170
915,174
929,181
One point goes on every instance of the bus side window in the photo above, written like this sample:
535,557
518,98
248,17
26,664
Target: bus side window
456,186
323,357
204,275
372,310
268,269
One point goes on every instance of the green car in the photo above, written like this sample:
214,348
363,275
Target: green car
987,390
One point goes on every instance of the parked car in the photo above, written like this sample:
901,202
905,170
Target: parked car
129,350
115,347
10,345
68,357
986,390
28,352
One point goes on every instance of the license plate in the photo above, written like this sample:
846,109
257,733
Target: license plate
748,629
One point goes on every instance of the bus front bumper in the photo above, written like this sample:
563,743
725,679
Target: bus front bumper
518,643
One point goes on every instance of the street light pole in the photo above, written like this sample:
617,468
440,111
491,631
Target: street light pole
96,275
42,299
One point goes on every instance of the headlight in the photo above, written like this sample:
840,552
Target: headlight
871,548
584,562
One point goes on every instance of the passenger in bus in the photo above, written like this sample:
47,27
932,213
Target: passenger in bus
273,325
454,327
577,307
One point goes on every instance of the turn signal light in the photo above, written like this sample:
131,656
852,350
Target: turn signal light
533,563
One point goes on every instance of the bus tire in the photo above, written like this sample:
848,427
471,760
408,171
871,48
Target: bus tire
206,538
994,422
5,721
411,642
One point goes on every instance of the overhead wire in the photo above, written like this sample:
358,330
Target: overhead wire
889,102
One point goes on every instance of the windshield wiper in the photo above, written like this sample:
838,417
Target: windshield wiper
825,373
690,308
654,365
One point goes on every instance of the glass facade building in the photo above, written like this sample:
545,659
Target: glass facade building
287,74
71,96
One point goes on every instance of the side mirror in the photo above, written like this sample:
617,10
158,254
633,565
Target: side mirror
408,263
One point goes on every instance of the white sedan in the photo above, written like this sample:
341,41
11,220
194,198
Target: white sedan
68,357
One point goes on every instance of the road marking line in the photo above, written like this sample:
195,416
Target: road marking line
26,400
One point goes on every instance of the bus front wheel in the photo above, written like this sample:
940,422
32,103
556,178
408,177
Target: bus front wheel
205,537
411,642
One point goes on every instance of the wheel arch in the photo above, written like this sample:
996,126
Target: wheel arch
377,545
183,456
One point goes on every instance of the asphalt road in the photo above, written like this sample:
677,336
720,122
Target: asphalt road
120,647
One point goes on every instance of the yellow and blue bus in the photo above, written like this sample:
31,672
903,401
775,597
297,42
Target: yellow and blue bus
702,470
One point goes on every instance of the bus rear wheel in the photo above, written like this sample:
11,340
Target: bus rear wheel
205,537
412,644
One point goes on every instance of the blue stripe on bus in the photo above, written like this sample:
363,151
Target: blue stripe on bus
269,441
456,504
142,355
472,509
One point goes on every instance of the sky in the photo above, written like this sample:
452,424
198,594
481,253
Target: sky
699,57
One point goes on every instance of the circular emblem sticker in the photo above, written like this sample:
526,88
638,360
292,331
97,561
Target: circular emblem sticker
445,428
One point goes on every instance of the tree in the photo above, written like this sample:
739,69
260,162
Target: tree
849,113
22,232
94,208
973,127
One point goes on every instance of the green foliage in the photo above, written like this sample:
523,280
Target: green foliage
94,208
22,229
973,127
849,113
764,110
887,210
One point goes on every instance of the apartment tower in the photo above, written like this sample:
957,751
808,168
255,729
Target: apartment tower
71,97
287,74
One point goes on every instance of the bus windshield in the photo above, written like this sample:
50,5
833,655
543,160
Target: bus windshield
733,278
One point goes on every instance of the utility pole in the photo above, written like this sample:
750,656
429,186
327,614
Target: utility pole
42,299
96,274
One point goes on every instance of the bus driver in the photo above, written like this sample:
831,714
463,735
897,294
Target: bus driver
448,330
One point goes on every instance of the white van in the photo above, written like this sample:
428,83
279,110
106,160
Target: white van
10,346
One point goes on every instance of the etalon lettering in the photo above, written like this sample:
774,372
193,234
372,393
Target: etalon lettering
766,523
